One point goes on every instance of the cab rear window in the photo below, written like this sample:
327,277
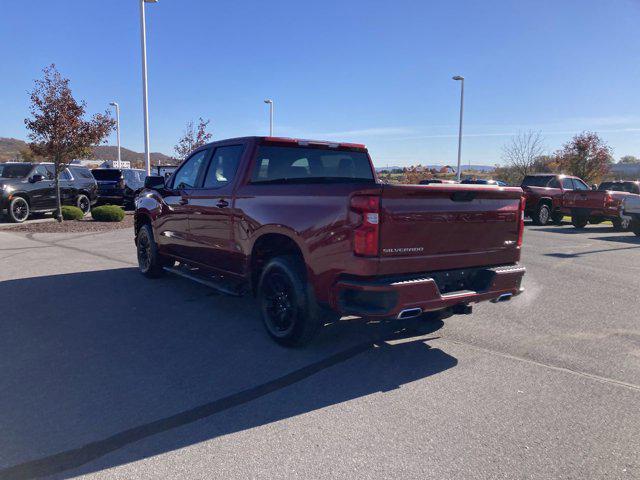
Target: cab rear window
281,164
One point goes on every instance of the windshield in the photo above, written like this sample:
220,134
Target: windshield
107,174
276,164
15,170
536,181
629,187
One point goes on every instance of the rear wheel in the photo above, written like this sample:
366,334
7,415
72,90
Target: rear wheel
83,203
18,210
150,262
579,220
288,307
542,215
621,224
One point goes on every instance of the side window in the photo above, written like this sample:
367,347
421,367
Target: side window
42,170
51,172
554,183
580,185
223,166
65,175
187,176
567,184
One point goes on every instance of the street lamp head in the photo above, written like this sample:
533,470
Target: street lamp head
457,77
268,100
113,104
150,1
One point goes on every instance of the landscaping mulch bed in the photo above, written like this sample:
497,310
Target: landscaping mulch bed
72,226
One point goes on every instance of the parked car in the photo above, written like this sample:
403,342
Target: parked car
549,197
307,227
29,188
119,186
483,181
429,181
631,212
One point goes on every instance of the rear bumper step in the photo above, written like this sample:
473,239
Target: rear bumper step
411,295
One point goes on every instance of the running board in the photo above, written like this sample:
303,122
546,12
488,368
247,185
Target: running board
218,284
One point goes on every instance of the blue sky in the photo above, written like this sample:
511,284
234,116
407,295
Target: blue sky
376,72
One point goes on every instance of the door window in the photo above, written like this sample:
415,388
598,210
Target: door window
42,170
187,176
554,183
567,184
223,166
580,185
65,175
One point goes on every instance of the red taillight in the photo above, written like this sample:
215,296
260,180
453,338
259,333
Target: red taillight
367,234
523,202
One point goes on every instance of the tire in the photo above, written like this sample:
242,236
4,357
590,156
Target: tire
579,221
542,215
18,210
150,262
635,227
556,218
83,203
289,311
596,220
621,225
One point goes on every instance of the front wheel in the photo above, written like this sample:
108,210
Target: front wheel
18,210
579,221
288,307
556,218
621,224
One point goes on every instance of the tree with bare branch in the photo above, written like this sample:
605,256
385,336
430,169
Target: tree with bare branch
57,127
522,151
192,138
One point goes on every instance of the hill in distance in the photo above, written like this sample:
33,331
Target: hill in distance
11,147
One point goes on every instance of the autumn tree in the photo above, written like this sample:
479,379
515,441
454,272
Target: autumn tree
194,136
586,156
522,151
57,126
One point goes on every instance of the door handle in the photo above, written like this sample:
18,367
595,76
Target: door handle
183,201
222,203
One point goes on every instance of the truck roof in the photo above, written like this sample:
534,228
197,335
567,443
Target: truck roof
303,142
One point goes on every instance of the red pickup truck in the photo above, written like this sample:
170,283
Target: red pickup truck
309,230
549,197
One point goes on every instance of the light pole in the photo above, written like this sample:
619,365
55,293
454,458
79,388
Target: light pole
270,102
145,105
461,79
115,104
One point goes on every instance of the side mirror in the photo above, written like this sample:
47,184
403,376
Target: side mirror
36,178
154,182
594,187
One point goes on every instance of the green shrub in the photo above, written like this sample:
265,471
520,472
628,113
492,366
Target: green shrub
71,213
108,213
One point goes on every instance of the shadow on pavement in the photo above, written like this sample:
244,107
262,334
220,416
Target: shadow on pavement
92,362
575,231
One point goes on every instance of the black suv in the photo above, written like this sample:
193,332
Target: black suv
28,188
119,186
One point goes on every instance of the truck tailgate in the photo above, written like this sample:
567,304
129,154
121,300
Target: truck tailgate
440,227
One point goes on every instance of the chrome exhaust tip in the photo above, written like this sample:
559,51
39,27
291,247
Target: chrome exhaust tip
409,313
505,297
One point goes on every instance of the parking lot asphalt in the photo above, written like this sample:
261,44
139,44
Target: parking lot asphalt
107,374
